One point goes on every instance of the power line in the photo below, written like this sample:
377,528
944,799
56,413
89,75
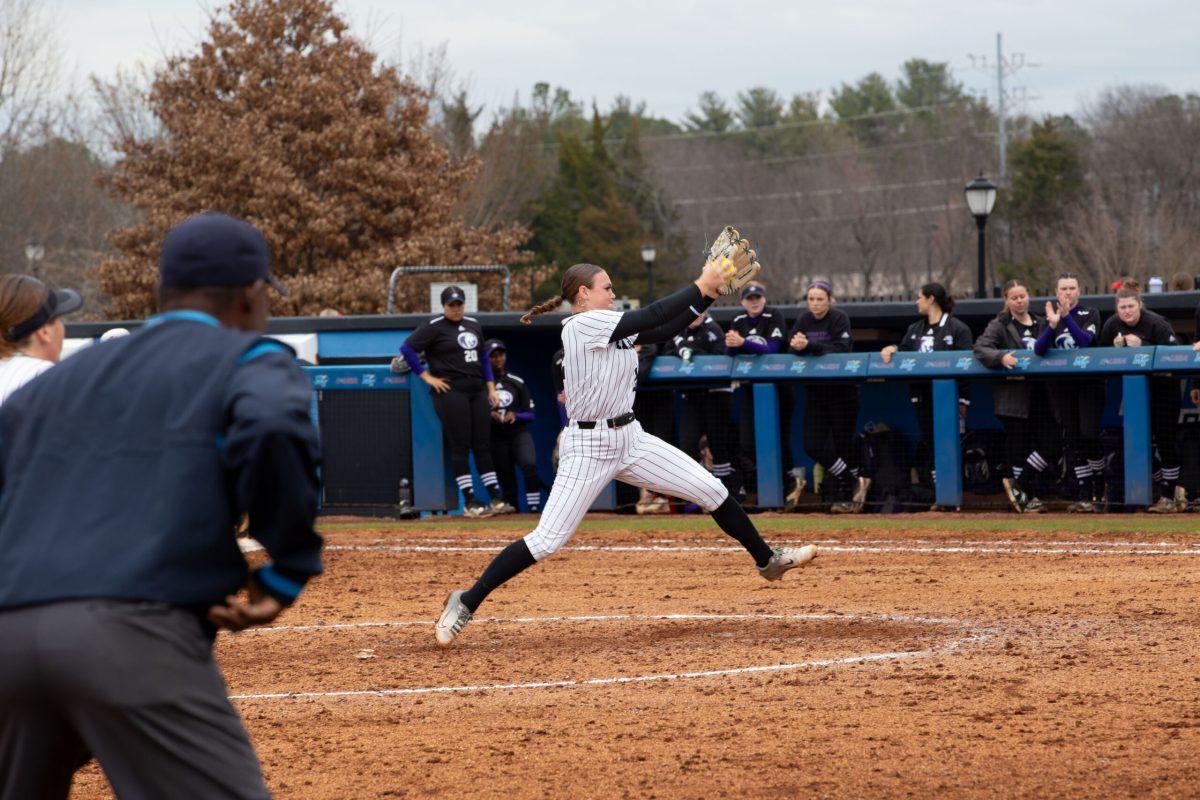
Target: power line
683,135
900,212
818,192
845,151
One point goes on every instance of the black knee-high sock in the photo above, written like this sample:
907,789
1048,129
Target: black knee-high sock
733,520
508,563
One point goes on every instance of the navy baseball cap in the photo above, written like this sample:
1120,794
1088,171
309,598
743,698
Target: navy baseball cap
453,294
57,303
493,344
215,250
752,290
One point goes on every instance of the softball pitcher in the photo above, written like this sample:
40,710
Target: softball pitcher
604,441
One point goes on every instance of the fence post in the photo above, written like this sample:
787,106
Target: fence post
947,447
1135,394
766,445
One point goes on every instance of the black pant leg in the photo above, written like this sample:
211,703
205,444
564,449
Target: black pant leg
479,423
1016,439
454,410
722,439
503,460
691,424
923,407
818,423
843,418
1164,424
746,446
525,455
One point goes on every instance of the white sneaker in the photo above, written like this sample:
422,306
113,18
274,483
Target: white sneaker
455,617
787,558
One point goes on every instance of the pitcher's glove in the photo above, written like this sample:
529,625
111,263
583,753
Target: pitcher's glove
735,258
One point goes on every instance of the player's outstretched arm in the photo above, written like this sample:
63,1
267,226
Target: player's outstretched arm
664,318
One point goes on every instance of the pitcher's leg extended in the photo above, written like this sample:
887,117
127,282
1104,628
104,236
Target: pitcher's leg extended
653,464
580,479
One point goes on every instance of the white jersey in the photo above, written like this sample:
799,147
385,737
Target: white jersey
19,370
599,376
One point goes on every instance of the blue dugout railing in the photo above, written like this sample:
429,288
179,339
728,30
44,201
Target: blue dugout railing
943,370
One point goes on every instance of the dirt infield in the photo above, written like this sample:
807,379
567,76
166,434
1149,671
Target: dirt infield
919,655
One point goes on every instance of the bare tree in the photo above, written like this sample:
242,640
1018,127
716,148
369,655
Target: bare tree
29,71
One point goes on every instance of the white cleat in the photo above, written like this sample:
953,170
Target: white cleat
787,558
455,617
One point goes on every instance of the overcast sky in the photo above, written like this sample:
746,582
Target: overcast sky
666,53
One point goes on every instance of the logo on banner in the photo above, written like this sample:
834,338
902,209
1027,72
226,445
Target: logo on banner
964,362
368,380
1081,361
1141,360
908,365
321,380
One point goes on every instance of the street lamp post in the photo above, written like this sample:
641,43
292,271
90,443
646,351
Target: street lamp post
648,256
34,252
981,198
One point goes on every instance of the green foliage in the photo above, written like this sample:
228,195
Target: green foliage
713,115
861,106
926,83
1047,171
600,206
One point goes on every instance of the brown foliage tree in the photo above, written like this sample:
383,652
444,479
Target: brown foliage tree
285,119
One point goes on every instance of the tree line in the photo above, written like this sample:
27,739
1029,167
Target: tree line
353,164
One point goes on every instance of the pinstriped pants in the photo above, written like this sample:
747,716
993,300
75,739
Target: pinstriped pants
590,459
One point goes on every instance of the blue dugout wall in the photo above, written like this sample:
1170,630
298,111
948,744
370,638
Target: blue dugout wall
884,399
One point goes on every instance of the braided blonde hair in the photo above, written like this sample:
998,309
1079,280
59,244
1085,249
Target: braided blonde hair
574,279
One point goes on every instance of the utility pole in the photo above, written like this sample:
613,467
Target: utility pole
1005,67
1000,108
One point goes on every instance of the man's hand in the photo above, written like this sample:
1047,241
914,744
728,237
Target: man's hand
1133,340
1052,319
734,339
1009,360
887,353
238,613
799,341
1119,340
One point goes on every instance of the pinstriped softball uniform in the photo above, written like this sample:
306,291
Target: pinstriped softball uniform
600,378
19,370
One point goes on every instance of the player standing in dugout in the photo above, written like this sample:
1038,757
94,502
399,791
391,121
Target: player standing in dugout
760,331
831,409
512,444
708,411
1134,325
604,440
936,332
122,474
1078,406
464,394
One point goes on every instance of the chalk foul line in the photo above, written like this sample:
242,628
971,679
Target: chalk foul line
896,655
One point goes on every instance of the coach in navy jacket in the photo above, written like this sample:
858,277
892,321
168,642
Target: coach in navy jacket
123,472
